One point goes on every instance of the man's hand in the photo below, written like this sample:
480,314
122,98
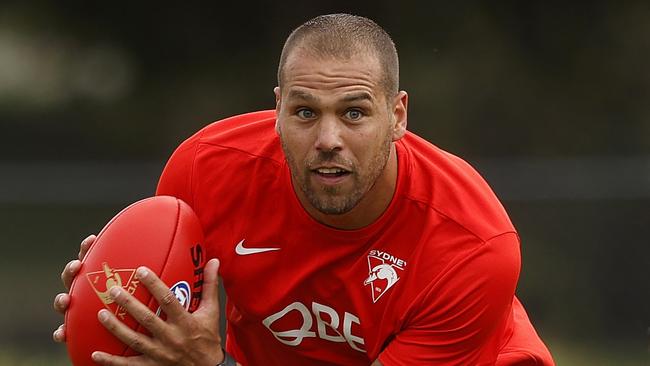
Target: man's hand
183,339
62,300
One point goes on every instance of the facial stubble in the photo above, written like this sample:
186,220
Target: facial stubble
330,200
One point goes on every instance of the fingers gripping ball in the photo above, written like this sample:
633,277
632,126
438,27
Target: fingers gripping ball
162,233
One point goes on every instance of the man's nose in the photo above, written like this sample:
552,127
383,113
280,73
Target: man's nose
329,134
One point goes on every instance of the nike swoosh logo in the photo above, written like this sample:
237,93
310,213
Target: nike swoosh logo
242,250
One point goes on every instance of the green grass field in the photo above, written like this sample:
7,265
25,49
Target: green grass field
565,354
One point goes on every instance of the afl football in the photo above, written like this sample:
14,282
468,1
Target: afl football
162,233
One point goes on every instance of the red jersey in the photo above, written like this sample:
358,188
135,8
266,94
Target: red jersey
430,282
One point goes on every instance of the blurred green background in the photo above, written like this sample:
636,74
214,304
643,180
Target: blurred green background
549,100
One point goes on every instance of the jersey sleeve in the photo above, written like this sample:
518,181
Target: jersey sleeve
177,178
461,318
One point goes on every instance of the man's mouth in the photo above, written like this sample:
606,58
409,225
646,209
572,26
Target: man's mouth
331,172
330,175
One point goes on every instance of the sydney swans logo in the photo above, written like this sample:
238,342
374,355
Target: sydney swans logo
382,273
102,281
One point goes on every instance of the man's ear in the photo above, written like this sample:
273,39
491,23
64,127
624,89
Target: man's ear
278,95
400,114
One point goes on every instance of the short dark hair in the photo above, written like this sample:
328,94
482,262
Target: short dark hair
343,36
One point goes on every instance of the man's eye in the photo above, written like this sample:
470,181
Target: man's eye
353,114
306,114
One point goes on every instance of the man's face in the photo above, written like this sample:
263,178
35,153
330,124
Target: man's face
336,128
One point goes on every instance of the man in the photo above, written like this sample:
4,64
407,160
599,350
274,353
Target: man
342,239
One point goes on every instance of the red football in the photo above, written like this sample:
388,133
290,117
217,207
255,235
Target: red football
162,233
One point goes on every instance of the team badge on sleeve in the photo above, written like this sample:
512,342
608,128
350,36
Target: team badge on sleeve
382,272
